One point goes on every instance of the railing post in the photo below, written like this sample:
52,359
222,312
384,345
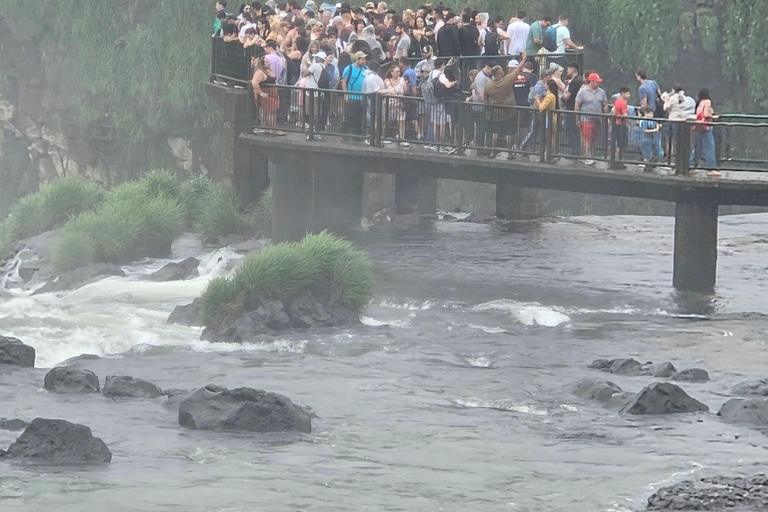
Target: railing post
683,154
213,57
374,99
460,126
612,126
543,139
309,104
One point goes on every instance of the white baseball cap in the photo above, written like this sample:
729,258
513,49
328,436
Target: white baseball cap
513,63
320,55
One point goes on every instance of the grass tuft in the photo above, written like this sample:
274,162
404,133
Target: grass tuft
73,249
159,182
220,214
194,193
8,229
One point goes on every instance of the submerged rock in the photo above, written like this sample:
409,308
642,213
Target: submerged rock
717,494
628,366
13,425
751,411
601,364
663,370
122,386
619,400
691,375
80,277
58,442
751,388
180,271
175,396
663,398
69,380
593,389
217,408
189,314
16,353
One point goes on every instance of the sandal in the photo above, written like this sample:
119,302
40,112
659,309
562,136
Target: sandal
714,174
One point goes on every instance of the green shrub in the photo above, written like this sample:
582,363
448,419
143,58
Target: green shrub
262,215
220,214
73,249
324,263
29,213
193,194
7,235
131,191
161,221
161,182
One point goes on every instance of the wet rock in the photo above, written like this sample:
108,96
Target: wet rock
691,375
14,352
619,401
627,367
58,442
81,276
663,398
122,386
717,494
180,271
601,364
72,361
189,314
593,389
751,411
217,408
67,380
13,425
663,370
175,396
751,388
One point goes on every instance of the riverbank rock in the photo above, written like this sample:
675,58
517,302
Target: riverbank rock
13,425
593,389
80,277
750,411
122,386
58,442
751,388
180,271
663,398
67,380
14,352
175,396
663,370
628,366
251,315
221,409
601,364
619,401
189,314
691,375
717,494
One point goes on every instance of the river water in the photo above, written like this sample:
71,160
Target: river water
452,396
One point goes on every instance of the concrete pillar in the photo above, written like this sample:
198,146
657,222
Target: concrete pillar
513,202
338,198
378,192
292,203
414,194
695,256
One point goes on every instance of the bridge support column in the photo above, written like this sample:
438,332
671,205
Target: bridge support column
414,194
513,202
695,256
338,198
292,201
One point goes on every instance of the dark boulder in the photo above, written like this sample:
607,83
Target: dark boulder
627,367
80,277
663,398
691,375
68,380
180,271
121,386
751,411
601,364
663,370
217,408
175,396
619,400
717,494
593,389
58,442
16,353
189,314
751,388
13,425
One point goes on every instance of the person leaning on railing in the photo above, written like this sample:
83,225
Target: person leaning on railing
265,94
704,139
499,91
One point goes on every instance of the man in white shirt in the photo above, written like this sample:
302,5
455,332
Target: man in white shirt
564,36
248,24
518,35
315,70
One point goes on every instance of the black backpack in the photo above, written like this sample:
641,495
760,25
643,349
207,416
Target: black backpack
324,82
414,51
491,42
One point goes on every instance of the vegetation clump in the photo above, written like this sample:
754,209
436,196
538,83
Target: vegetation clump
328,266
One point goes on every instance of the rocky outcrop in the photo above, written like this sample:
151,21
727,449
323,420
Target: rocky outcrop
217,408
251,315
180,271
58,442
189,314
691,375
68,380
663,370
663,398
13,425
14,352
718,494
751,411
80,277
593,389
122,386
628,366
751,388
632,367
619,400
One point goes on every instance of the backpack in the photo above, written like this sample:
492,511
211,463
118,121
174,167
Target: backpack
324,82
414,51
439,90
659,111
427,90
491,42
550,38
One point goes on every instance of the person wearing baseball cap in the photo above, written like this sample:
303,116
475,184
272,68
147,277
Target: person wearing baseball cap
591,100
370,6
513,64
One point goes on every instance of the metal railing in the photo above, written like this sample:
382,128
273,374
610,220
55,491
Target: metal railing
521,132
230,62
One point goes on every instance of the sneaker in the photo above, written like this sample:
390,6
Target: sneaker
258,130
647,168
617,166
239,86
386,142
405,145
220,82
714,174
588,162
367,142
445,149
430,147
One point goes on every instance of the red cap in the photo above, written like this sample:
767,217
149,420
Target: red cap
594,77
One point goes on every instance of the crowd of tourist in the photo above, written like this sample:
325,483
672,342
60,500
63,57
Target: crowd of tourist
443,57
